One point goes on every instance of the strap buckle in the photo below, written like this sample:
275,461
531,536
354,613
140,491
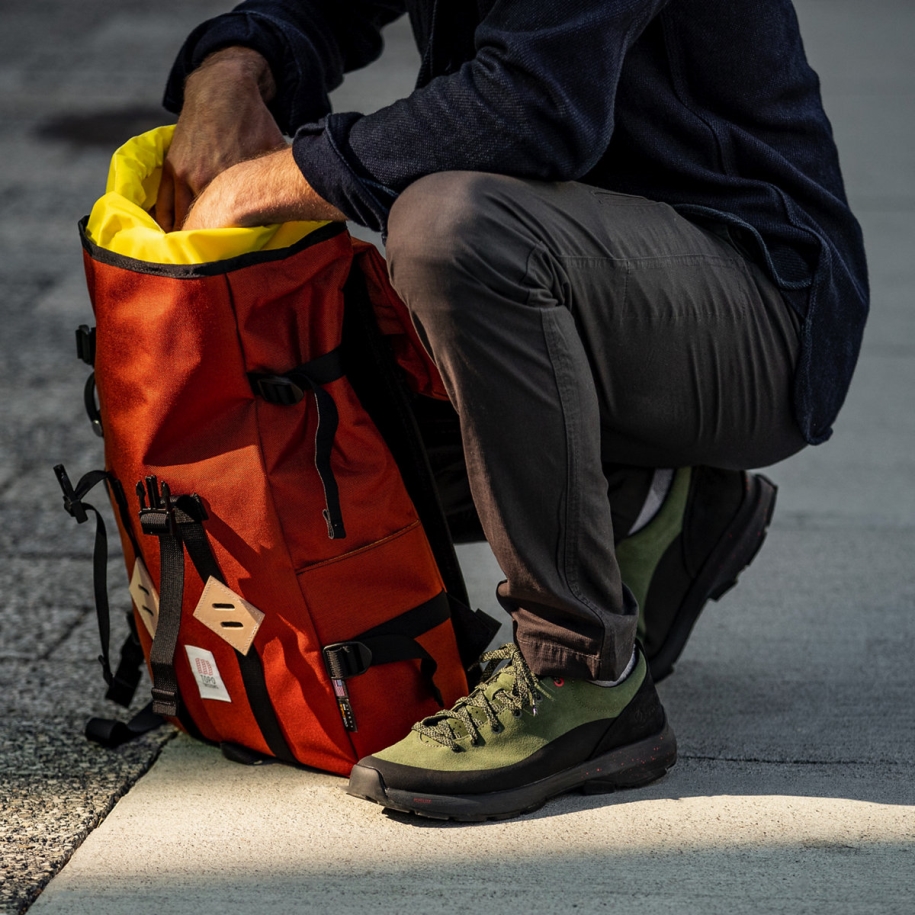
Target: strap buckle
159,518
166,512
85,343
278,389
165,702
347,659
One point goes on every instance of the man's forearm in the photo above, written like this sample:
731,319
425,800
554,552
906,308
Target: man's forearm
263,191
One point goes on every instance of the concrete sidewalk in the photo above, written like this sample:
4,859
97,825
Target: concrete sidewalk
792,702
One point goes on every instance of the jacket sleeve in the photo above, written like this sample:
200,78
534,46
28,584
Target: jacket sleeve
309,45
537,100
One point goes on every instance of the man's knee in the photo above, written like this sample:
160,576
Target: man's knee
441,227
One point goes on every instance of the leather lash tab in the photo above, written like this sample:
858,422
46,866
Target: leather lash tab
231,617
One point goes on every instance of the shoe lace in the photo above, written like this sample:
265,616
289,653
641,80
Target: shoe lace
523,693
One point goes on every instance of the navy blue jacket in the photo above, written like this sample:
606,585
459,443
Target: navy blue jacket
708,105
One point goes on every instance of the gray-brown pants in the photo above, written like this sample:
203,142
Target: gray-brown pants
575,326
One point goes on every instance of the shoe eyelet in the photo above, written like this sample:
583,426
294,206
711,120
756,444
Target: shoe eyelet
558,681
516,712
497,729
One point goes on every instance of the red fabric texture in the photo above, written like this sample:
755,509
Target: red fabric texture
171,367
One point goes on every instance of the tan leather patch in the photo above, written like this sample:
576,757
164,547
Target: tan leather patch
231,617
144,595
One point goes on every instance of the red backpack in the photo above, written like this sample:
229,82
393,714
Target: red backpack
295,589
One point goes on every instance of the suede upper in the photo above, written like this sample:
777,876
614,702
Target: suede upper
560,710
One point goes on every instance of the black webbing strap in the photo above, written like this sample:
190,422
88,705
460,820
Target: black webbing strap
198,548
252,674
122,684
111,733
77,508
120,499
288,388
392,641
171,597
122,688
130,667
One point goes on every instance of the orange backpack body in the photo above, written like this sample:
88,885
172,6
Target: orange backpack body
285,592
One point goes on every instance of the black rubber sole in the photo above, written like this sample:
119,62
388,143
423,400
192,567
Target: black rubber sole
737,548
631,766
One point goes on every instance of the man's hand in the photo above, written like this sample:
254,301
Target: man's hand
224,120
259,192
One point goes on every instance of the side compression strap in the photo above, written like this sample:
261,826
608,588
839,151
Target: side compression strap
288,388
130,667
122,688
122,685
160,520
392,641
76,508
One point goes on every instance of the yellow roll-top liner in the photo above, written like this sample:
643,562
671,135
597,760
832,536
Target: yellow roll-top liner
120,221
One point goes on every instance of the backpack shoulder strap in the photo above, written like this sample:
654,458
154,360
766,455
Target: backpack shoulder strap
380,387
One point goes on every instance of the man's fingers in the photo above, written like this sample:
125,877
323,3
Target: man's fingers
165,202
174,200
183,197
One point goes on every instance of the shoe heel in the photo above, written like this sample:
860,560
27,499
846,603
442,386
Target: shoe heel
632,766
723,589
634,778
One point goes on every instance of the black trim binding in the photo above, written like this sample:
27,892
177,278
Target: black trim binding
213,268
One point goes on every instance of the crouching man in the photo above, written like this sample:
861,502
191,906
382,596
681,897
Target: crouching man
621,231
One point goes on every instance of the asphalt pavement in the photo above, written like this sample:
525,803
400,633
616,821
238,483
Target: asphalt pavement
792,702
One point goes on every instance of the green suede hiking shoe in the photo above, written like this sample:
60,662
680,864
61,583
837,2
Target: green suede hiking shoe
518,740
709,528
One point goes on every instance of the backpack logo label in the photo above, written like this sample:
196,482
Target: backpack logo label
206,673
144,595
